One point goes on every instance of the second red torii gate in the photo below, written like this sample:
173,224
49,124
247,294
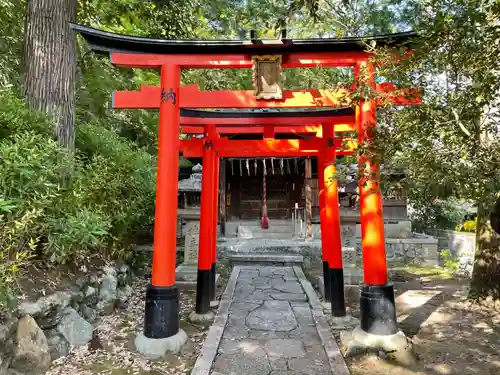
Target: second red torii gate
325,148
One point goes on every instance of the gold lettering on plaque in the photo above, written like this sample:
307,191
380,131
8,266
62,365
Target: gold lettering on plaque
267,77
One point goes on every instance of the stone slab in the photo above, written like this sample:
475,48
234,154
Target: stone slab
280,335
256,258
335,358
208,352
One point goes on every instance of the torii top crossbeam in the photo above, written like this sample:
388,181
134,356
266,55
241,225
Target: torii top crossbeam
143,52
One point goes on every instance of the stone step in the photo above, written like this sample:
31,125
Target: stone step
266,259
270,231
265,235
264,246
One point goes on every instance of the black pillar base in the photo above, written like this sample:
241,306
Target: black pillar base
212,282
378,310
326,281
161,318
337,297
203,291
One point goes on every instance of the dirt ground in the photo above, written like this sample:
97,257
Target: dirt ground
450,335
116,334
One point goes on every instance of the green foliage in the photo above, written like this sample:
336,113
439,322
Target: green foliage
450,261
11,19
438,214
454,135
109,198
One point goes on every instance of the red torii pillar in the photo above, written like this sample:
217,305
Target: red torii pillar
325,241
377,304
161,318
207,229
330,228
215,202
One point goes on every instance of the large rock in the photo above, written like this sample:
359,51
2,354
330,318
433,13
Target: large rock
76,330
31,354
91,315
58,346
124,293
4,363
7,333
124,275
47,311
90,296
107,291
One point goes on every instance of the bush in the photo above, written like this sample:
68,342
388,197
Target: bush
120,179
450,261
108,194
435,215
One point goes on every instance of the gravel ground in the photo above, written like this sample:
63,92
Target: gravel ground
450,335
116,334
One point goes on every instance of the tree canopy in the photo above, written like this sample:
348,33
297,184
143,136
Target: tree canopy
449,146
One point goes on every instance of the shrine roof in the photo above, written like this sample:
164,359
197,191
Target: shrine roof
104,42
267,112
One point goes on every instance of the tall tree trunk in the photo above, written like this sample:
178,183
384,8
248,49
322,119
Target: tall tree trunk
486,272
50,62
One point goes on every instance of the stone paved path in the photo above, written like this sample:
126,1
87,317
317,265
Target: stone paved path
270,329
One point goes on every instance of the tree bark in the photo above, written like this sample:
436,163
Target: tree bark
50,63
486,272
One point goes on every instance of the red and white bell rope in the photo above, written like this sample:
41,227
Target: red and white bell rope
264,221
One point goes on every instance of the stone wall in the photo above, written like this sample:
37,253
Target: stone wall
408,248
44,330
420,250
462,246
401,229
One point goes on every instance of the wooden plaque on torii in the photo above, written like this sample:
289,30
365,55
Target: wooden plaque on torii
267,77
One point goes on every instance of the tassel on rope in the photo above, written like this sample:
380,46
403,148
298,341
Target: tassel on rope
296,166
264,221
255,165
248,166
232,168
282,167
241,169
288,170
272,166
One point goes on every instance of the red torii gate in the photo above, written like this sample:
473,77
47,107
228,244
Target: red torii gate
162,310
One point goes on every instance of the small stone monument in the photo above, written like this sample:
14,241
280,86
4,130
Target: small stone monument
189,216
352,274
191,242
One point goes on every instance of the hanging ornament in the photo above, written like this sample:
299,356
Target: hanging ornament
255,165
272,166
241,169
264,220
264,166
232,168
296,166
248,167
288,170
282,166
